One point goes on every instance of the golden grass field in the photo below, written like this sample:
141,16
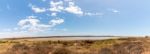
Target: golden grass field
64,45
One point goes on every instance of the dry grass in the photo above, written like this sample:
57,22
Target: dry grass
109,46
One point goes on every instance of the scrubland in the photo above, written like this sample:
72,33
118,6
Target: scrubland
107,46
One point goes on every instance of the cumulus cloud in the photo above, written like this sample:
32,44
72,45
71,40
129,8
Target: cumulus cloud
32,24
56,21
30,20
74,9
53,14
37,9
56,6
68,6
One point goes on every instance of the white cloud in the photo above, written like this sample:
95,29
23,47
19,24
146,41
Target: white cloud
39,27
93,14
72,8
53,14
30,20
37,9
63,6
32,24
114,10
56,6
56,21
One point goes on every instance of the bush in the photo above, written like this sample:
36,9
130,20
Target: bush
24,49
61,51
18,49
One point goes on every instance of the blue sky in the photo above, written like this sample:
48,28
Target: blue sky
74,17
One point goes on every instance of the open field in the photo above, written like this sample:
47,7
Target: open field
75,45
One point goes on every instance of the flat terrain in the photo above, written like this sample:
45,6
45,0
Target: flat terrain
75,45
64,38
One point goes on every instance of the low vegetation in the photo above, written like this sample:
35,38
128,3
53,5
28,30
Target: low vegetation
109,46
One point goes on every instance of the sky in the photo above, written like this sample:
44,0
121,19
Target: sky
19,18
